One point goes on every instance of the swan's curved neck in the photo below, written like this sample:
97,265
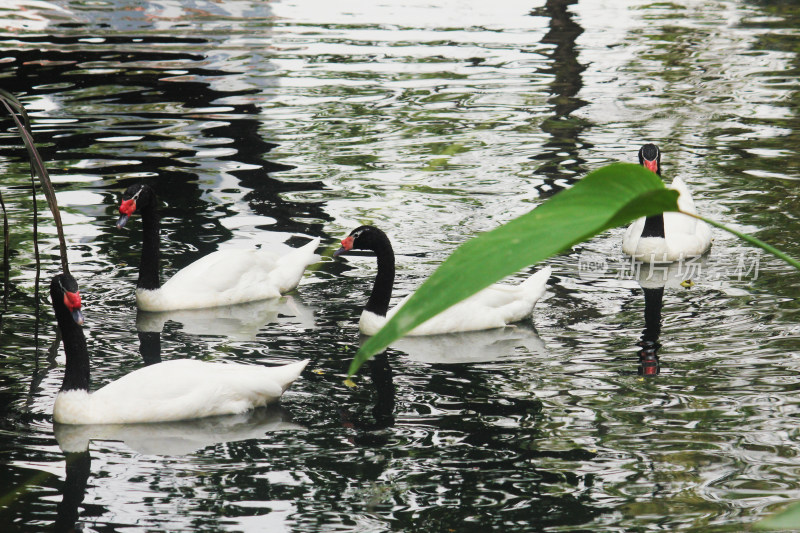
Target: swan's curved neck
76,373
149,262
382,289
654,226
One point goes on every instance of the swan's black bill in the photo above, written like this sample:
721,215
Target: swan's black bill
77,316
123,219
347,245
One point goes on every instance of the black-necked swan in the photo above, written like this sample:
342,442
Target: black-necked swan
495,306
670,236
180,389
224,277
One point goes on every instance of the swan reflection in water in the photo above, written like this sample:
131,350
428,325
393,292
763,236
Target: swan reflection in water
653,278
177,438
485,346
240,322
162,438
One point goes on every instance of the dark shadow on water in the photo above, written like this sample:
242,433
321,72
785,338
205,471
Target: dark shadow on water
648,354
653,280
381,416
493,466
150,346
560,161
78,467
509,475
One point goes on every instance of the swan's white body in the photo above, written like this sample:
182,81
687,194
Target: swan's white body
496,306
177,390
228,277
684,236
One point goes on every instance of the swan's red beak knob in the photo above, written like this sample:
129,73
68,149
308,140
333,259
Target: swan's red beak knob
652,166
347,245
126,209
72,300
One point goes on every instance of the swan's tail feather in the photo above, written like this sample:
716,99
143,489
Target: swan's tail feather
292,265
533,288
286,375
306,254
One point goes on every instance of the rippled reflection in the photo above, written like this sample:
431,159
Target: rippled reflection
178,438
238,322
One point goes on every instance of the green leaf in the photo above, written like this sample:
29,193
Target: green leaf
606,198
788,519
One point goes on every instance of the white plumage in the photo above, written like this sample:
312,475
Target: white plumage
173,390
224,277
228,277
496,306
684,236
670,236
177,390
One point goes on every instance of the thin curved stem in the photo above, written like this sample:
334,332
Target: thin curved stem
749,238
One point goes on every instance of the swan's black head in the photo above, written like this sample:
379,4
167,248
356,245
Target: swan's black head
650,158
135,199
65,295
362,238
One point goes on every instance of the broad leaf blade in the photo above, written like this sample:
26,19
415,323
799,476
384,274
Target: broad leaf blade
788,519
606,198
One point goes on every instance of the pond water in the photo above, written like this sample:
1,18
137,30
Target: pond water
275,122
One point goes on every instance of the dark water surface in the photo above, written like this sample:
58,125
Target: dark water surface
274,122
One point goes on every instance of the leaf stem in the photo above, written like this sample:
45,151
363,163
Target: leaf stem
749,238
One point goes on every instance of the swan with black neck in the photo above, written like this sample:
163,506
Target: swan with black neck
670,236
496,306
179,389
224,277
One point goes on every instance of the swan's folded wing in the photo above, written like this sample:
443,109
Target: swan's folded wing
187,388
494,307
290,267
223,270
